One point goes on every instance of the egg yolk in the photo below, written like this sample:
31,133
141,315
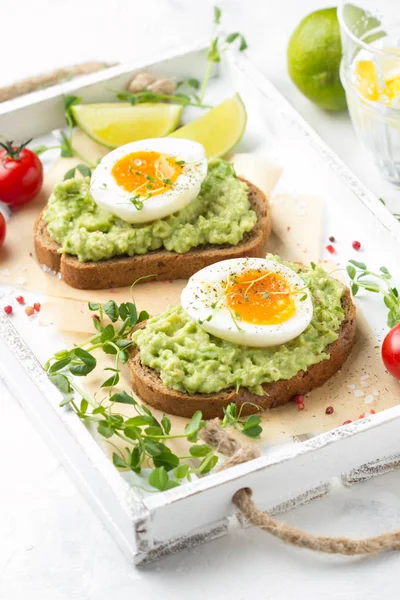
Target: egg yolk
260,297
146,174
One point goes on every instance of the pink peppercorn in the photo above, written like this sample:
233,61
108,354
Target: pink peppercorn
356,245
298,399
331,249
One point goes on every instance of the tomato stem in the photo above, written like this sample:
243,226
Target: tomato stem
13,151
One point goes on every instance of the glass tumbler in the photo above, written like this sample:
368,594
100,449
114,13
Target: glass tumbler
370,74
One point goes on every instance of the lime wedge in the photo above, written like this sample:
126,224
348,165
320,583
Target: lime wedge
120,123
219,130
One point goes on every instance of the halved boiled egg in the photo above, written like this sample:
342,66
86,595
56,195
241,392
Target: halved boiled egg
249,301
149,179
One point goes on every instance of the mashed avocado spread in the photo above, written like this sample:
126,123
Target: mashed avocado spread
188,359
220,214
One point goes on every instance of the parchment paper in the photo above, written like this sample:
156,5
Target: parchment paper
361,385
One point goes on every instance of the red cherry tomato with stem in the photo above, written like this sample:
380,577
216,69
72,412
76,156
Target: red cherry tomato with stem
21,174
3,228
391,351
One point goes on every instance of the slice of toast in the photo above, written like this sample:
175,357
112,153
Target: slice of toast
147,384
124,270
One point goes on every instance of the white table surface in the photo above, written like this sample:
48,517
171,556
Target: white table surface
51,546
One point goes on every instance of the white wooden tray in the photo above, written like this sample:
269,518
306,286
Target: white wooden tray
195,512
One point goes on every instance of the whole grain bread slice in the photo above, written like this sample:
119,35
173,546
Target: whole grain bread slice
124,270
147,384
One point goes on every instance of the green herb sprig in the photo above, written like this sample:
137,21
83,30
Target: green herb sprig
232,418
218,46
195,90
358,271
146,438
154,97
83,170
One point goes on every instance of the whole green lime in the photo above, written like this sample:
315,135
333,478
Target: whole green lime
314,53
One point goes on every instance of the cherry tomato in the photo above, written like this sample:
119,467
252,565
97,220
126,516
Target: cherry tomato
21,174
2,229
391,351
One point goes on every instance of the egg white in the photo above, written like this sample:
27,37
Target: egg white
114,199
207,286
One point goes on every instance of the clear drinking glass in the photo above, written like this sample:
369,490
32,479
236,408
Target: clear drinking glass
370,74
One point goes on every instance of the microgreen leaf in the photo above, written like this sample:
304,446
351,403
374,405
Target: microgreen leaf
153,448
97,324
105,429
123,356
139,421
84,170
69,174
61,382
354,289
124,343
111,310
109,348
119,461
87,364
93,306
111,381
166,424
166,459
128,311
200,450
390,302
359,265
232,37
134,460
208,463
159,480
143,316
252,427
181,471
213,53
137,203
132,432
60,364
243,44
107,333
351,271
123,398
69,102
372,287
68,398
194,424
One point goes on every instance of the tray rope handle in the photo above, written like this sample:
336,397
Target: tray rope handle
223,442
32,84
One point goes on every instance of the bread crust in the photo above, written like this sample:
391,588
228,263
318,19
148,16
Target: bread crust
147,384
124,270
